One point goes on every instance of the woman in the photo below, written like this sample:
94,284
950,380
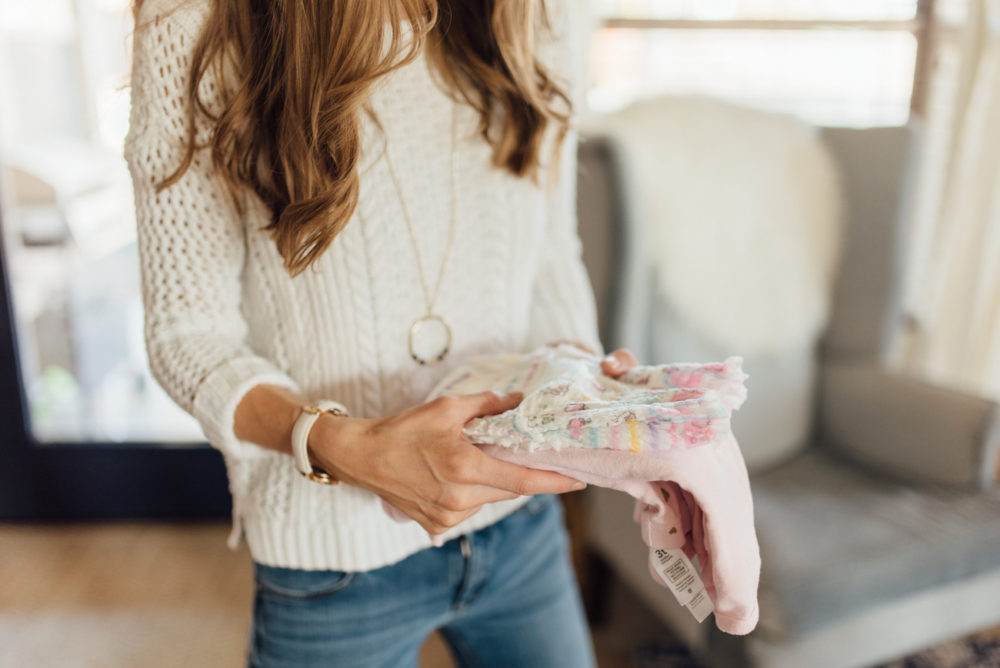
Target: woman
344,200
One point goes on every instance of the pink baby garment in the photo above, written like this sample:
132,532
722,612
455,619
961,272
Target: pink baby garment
660,433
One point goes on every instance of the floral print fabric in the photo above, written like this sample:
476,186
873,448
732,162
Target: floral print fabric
570,403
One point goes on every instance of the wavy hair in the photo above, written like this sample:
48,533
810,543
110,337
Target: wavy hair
289,127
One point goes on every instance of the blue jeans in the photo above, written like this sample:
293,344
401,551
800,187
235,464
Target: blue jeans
504,595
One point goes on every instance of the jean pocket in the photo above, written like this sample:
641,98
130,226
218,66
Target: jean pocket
298,584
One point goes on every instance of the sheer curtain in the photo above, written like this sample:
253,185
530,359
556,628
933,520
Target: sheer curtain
954,294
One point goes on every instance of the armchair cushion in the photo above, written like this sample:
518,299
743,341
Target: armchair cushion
907,427
837,538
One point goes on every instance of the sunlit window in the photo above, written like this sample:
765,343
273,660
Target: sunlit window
69,226
848,63
758,9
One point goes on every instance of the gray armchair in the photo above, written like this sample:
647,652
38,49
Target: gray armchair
882,535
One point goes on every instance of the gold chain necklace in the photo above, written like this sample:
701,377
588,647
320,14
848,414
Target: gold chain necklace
429,332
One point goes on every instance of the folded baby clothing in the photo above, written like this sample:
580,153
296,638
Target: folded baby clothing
660,433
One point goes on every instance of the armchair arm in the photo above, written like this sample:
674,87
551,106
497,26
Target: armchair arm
907,427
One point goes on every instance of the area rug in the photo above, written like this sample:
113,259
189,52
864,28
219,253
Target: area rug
976,651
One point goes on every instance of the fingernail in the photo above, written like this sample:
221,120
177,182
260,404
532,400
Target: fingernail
612,360
516,395
579,485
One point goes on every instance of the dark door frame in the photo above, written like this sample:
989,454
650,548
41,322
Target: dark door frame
93,480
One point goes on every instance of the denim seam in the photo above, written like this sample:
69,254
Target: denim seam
463,586
464,655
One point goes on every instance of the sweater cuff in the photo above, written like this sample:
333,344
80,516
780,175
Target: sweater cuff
220,393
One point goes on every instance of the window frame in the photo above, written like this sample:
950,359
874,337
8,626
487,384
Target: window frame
922,25
94,480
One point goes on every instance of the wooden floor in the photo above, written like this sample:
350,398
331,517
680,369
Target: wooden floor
123,595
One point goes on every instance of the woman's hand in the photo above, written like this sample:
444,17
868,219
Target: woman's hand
614,364
618,362
420,462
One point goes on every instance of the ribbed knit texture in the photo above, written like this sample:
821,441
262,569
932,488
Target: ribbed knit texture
222,315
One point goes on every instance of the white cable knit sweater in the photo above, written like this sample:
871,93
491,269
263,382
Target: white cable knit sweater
222,315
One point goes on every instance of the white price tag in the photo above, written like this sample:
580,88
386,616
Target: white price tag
701,606
678,572
683,580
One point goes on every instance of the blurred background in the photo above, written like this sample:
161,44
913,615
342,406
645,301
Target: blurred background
90,435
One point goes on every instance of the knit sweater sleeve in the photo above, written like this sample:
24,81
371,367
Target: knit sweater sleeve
190,238
563,305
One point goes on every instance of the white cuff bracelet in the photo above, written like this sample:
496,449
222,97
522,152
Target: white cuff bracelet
300,437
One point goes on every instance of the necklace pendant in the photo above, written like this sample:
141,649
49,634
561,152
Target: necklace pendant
430,338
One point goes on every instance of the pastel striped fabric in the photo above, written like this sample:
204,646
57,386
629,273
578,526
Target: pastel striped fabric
570,403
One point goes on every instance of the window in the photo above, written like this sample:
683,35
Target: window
69,227
833,62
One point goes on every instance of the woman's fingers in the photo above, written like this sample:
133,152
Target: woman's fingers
464,407
618,362
490,494
439,478
486,480
442,521
523,480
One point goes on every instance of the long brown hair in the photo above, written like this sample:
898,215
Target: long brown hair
289,128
